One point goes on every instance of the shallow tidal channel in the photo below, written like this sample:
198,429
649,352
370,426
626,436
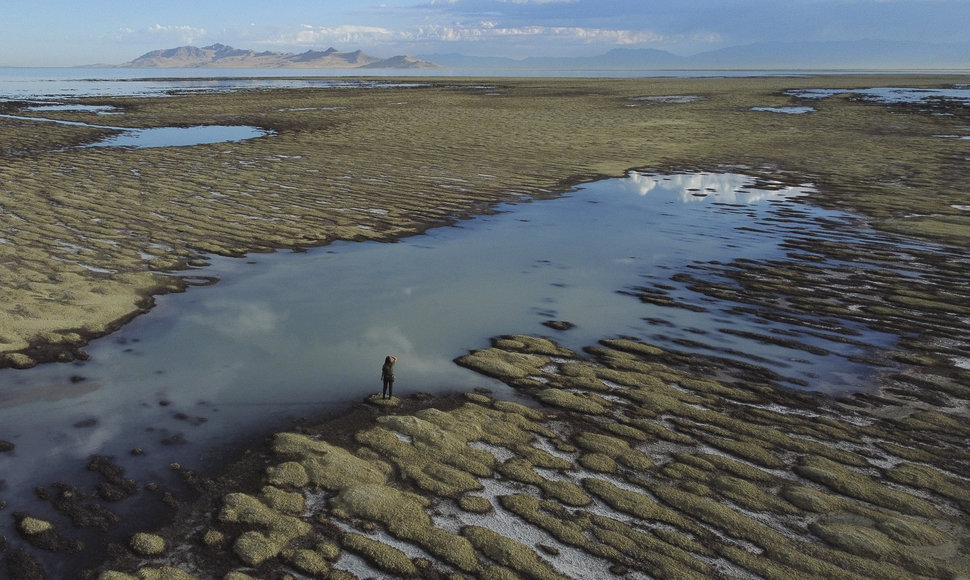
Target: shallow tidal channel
289,334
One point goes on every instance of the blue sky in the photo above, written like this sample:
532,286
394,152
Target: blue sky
72,32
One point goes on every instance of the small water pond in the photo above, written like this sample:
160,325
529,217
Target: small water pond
74,107
786,110
891,95
181,136
289,333
162,136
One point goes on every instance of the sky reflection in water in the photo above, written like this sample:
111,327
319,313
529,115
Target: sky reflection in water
286,334
181,136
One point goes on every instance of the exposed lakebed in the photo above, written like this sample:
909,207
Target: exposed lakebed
287,334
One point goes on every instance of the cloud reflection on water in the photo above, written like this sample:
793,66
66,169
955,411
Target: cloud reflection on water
720,187
241,320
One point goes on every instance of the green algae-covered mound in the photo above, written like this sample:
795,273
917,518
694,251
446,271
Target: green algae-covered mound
148,573
325,465
147,544
671,475
501,364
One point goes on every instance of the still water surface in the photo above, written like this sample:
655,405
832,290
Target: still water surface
286,334
160,136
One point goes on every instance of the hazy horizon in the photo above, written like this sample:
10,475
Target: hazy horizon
60,33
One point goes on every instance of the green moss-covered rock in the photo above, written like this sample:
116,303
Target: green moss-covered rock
813,500
685,472
309,562
282,501
543,459
533,345
499,573
626,431
736,468
751,496
571,402
502,364
432,448
859,540
632,347
868,542
636,504
565,492
276,529
255,547
287,474
605,444
446,436
520,409
747,449
910,532
662,432
477,398
597,462
380,555
443,480
147,544
148,573
242,508
31,526
19,360
475,504
510,553
400,512
213,538
862,487
552,520
326,465
937,421
665,559
924,477
403,515
453,549
520,470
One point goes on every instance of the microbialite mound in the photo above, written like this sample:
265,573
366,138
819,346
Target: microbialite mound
628,465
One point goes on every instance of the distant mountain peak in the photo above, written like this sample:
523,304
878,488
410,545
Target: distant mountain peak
224,56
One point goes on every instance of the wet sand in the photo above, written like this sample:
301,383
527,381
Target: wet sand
634,460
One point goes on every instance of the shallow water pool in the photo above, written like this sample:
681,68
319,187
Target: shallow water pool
139,138
181,136
287,334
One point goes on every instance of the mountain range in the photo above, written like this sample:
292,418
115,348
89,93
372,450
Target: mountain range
223,56
844,55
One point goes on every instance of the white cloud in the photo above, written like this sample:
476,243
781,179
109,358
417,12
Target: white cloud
308,35
488,30
185,34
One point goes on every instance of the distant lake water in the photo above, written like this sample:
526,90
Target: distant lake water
53,82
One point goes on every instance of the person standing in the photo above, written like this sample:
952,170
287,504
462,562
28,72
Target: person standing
387,375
